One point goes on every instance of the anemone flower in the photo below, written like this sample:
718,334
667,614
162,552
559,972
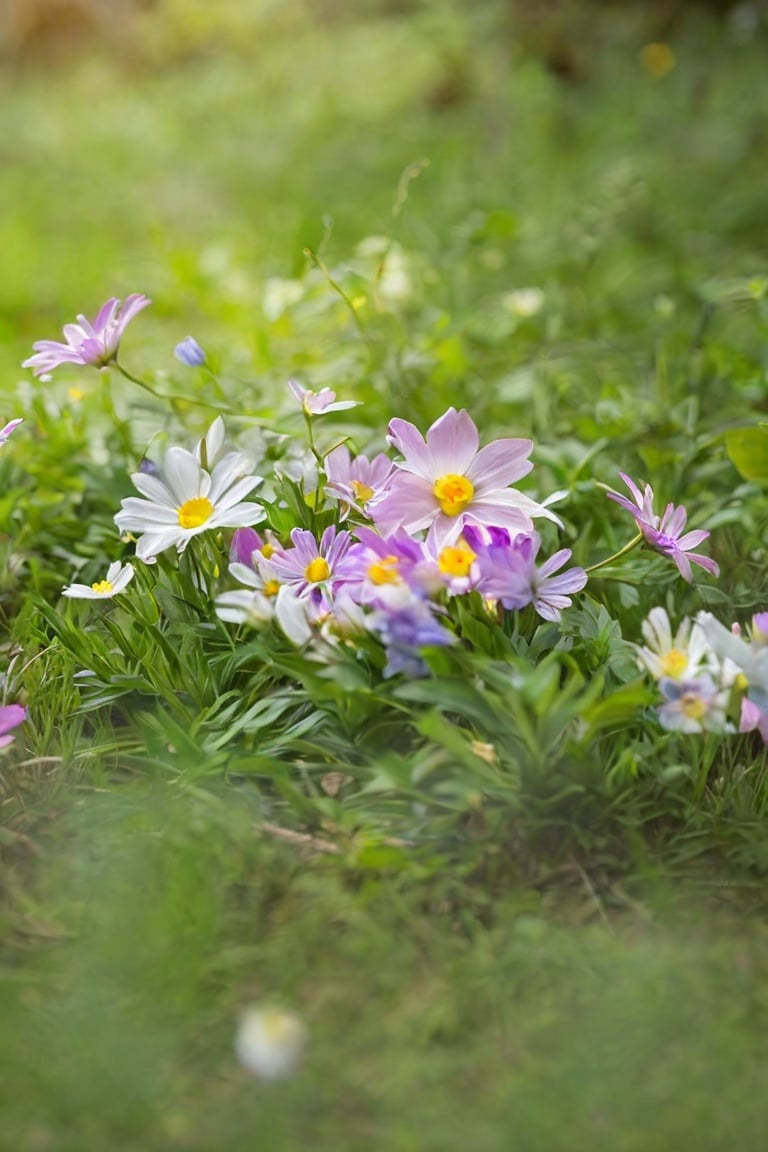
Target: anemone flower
354,482
318,403
313,570
446,481
186,499
92,344
507,572
665,533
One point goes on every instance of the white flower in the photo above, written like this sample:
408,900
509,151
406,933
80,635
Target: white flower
523,302
270,1042
694,706
117,580
681,657
185,500
254,604
749,659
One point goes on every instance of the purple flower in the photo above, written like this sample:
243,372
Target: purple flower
11,715
356,481
508,573
313,570
665,533
93,344
378,563
753,718
445,481
190,353
318,403
10,427
693,705
404,627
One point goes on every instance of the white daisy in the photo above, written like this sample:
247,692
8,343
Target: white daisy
185,500
680,657
117,580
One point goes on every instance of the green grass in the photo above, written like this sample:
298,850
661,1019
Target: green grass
561,949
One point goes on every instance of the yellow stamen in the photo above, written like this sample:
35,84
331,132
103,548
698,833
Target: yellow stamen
363,492
741,682
693,706
384,571
673,663
271,587
267,550
453,493
317,570
195,512
456,559
101,586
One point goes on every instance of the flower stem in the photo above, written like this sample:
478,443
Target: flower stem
173,400
616,555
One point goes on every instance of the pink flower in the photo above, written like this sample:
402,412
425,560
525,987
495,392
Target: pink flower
11,715
753,718
10,427
665,533
507,572
355,482
318,403
447,481
312,570
93,344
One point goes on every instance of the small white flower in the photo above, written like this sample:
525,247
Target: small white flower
254,604
680,657
117,580
186,499
270,1042
523,302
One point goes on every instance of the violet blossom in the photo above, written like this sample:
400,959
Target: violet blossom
313,570
189,352
665,533
508,572
356,481
405,626
11,715
91,344
318,403
9,428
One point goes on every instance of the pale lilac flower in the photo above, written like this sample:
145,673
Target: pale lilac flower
750,658
189,352
186,499
696,705
314,570
378,563
117,580
10,427
355,482
248,547
446,481
406,625
753,719
11,715
318,403
665,533
507,572
93,344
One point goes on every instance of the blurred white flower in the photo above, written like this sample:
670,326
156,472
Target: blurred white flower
523,302
278,295
270,1042
117,579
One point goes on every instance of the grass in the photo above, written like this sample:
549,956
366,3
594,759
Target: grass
561,948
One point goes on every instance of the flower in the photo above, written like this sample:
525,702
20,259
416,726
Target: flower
682,657
117,580
11,715
186,499
313,570
406,623
189,352
444,482
753,719
318,403
750,658
241,606
693,705
355,482
270,1042
508,573
663,533
93,344
10,427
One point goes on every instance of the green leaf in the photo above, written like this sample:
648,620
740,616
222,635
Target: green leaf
748,449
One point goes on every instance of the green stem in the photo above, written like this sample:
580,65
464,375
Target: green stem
319,263
616,555
172,399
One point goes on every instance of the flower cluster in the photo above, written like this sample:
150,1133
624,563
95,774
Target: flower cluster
706,673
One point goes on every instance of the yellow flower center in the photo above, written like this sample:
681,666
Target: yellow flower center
102,586
271,587
195,512
317,570
456,559
384,571
363,492
673,663
267,550
693,705
453,493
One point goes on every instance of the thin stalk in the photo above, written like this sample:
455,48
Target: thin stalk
616,555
